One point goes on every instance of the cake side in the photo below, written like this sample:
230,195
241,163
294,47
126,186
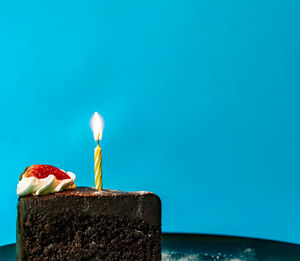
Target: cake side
88,224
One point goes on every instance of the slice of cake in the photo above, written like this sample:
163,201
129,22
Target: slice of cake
85,224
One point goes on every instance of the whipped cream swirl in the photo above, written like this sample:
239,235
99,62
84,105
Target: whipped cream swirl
50,184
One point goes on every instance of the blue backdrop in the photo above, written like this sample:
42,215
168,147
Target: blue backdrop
200,101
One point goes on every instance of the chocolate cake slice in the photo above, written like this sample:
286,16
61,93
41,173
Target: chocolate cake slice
85,224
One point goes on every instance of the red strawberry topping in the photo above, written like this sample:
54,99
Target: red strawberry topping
42,171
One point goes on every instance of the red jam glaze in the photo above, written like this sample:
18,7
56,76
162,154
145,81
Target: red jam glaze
42,171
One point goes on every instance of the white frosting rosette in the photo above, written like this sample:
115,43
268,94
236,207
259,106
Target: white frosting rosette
50,184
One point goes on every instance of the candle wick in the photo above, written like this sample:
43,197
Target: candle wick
98,138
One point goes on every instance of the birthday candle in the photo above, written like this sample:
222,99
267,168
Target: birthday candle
97,125
98,167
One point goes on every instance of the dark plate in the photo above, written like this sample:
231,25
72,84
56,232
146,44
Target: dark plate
210,248
226,248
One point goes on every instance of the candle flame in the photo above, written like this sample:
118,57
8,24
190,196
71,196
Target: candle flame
97,125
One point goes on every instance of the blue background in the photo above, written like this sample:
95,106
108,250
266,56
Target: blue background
200,101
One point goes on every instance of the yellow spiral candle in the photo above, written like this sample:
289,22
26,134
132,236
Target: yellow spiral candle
98,167
97,125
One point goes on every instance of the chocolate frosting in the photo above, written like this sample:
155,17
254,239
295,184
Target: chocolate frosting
141,204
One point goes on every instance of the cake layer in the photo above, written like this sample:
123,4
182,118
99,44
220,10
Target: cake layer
140,204
85,224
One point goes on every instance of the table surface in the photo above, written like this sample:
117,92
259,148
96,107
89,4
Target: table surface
210,248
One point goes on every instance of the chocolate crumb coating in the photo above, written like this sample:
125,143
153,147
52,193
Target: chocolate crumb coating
85,224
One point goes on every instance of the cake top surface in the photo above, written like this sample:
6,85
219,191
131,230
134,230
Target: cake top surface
92,192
